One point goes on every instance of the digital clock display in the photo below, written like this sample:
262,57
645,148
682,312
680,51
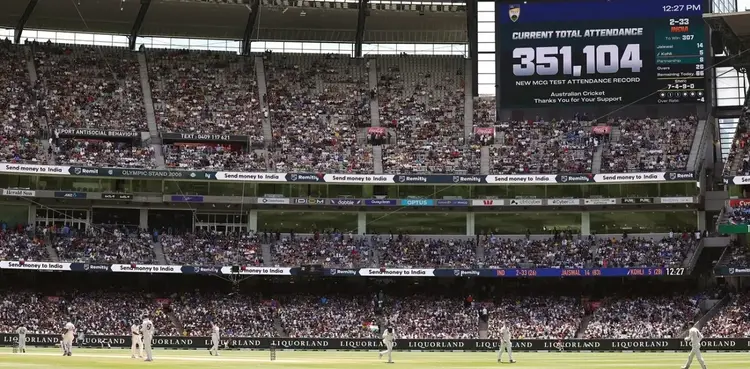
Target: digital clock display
594,51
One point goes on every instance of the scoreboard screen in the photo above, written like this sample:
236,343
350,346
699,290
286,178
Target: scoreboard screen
600,52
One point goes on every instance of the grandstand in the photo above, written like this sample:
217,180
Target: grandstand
306,174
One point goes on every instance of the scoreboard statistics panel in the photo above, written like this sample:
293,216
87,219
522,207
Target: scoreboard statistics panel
601,52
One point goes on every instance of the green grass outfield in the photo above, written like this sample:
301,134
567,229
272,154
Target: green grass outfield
185,359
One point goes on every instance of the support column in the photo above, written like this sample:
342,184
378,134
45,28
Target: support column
585,223
361,223
252,220
143,219
31,218
470,224
701,221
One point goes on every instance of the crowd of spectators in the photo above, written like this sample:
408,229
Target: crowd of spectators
236,316
427,253
538,146
205,92
650,145
326,317
732,321
485,112
99,245
434,318
96,153
213,249
97,313
577,252
19,111
214,157
739,148
536,317
337,251
422,100
640,252
739,214
22,245
319,107
552,252
90,87
641,317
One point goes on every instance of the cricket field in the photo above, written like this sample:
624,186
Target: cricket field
185,359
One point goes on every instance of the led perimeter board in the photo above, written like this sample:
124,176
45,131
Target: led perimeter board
600,52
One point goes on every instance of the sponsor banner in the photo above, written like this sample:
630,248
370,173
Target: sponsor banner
644,177
180,342
14,192
734,228
142,173
259,271
737,203
273,200
637,200
198,137
488,202
34,169
676,200
381,202
572,178
599,201
71,195
117,196
70,132
737,272
402,178
417,202
525,202
185,198
376,130
309,201
522,178
346,202
136,268
91,267
564,202
452,202
738,180
35,265
365,272
396,272
601,130
490,131
341,272
251,177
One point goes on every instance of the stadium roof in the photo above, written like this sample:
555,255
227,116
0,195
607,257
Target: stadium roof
332,21
735,32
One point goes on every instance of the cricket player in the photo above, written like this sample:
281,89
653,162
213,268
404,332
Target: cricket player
388,337
147,330
214,350
505,344
137,341
69,332
695,337
21,339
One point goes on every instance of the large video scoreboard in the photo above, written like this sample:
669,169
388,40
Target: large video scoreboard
601,52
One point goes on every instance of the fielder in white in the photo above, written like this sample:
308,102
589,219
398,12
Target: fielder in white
21,339
137,342
147,330
214,350
505,344
388,338
695,337
68,336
